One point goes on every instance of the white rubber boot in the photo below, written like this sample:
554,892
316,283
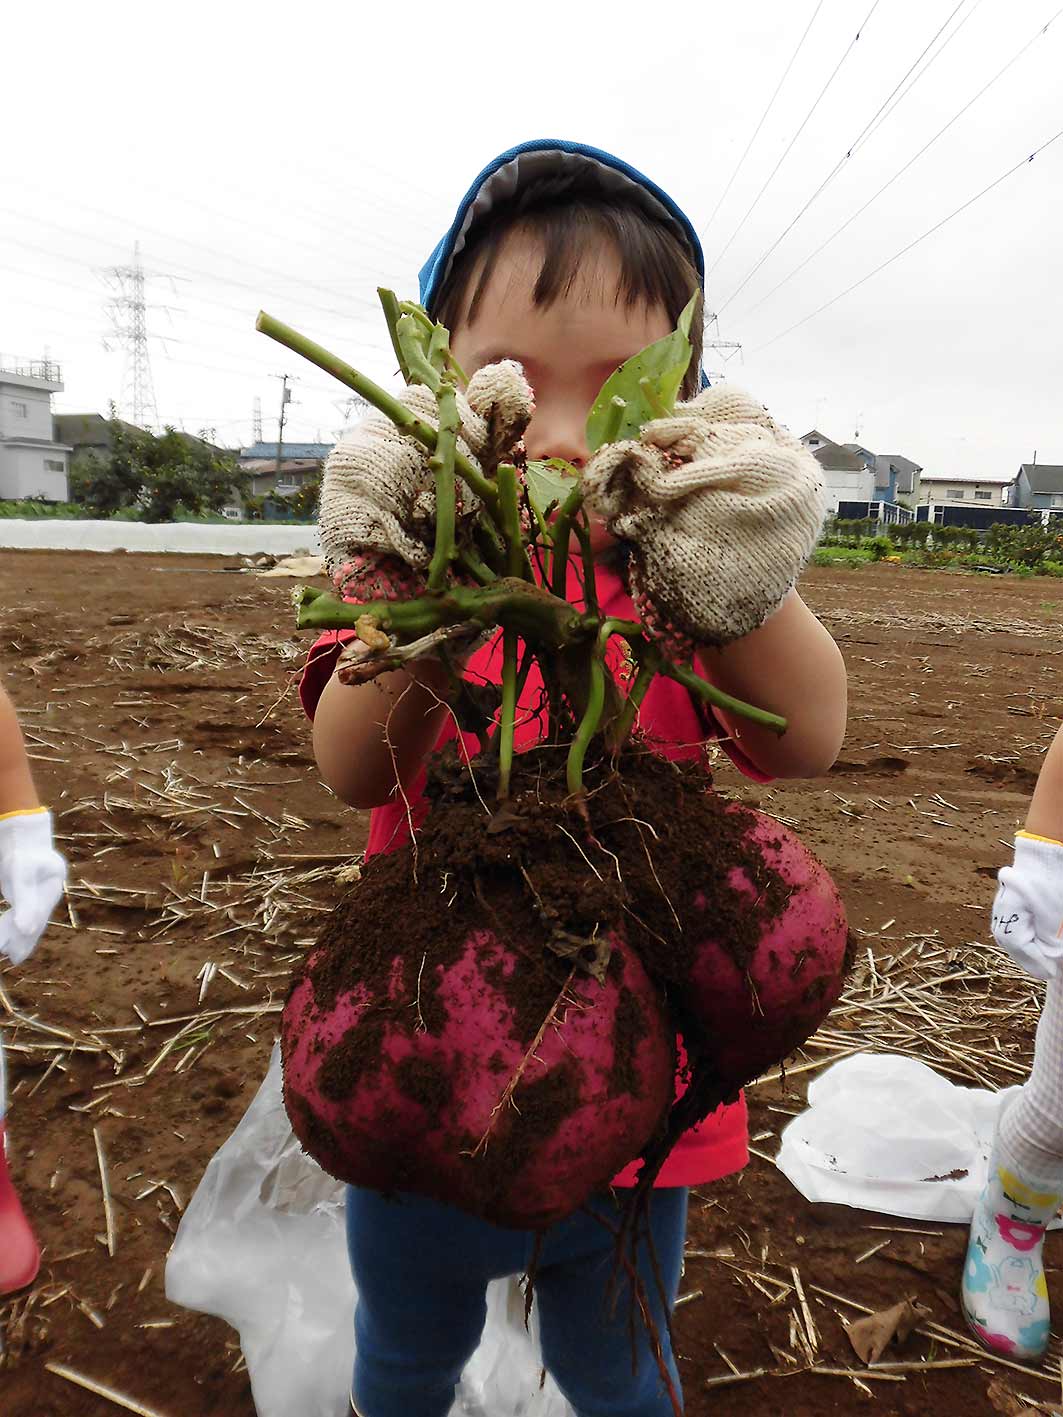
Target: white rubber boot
1004,1293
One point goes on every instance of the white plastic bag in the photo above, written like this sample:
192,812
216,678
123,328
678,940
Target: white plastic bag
262,1245
887,1133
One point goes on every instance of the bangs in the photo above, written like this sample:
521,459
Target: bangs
655,268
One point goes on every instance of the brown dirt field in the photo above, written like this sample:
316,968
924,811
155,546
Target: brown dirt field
156,693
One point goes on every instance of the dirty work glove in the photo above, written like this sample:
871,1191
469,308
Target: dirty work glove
377,514
32,875
1028,909
721,509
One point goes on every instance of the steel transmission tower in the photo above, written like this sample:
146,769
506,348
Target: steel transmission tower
128,311
726,347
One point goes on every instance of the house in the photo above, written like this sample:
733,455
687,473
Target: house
88,433
846,476
990,491
1039,485
33,462
899,474
895,476
300,463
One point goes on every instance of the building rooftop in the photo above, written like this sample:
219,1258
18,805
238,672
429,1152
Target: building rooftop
47,370
311,451
1043,476
834,458
996,478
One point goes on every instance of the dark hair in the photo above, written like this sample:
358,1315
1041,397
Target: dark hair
569,220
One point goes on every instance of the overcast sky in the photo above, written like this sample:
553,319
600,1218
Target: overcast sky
297,156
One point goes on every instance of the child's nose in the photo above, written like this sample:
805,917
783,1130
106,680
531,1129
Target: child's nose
549,437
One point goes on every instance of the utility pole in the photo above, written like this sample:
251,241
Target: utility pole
286,398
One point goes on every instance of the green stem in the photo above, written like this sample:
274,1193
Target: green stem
438,345
442,465
653,398
697,685
399,414
534,613
468,558
508,716
560,533
411,342
516,558
590,584
649,664
407,307
617,408
592,717
391,315
588,726
490,543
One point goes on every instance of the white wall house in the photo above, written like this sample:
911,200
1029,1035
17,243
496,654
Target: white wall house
846,476
985,492
32,463
843,485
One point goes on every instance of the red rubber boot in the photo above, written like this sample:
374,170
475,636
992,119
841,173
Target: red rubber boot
20,1257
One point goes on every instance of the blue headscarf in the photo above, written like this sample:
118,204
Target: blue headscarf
511,171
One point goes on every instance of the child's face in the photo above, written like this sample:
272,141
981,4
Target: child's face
568,349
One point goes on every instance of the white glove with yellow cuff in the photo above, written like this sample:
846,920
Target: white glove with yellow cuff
32,877
1028,909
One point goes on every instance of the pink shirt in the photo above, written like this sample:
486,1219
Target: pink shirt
719,1145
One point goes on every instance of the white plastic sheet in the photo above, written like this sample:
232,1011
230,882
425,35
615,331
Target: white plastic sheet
195,538
262,1246
887,1133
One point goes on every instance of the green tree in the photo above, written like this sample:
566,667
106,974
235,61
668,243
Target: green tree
304,502
104,484
162,476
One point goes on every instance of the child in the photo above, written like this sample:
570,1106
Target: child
568,261
1004,1293
31,879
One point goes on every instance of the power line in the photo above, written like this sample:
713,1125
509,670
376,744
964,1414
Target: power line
379,350
181,266
793,140
853,147
763,118
213,250
234,371
911,245
926,67
901,171
245,311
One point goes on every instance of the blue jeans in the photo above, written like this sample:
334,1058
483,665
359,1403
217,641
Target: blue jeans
422,1271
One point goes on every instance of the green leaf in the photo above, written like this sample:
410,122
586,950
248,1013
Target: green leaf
548,484
643,386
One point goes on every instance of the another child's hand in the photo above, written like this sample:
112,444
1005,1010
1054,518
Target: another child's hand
377,514
32,876
1028,909
722,508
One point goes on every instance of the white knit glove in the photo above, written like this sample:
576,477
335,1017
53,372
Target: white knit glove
377,513
722,508
32,876
1028,909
